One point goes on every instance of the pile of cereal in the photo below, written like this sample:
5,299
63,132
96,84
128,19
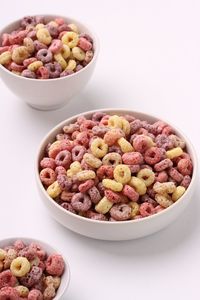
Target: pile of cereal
28,272
42,50
116,168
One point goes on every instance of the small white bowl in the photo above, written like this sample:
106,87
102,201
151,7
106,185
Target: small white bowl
49,94
65,279
115,231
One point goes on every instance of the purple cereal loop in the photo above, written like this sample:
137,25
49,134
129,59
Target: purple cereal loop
63,158
27,21
163,141
38,45
120,212
68,207
186,181
64,182
78,153
81,202
135,125
53,30
44,55
28,74
175,175
94,194
163,165
54,69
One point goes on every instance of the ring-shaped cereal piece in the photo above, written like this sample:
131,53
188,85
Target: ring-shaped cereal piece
122,173
112,185
70,38
112,159
139,185
7,279
99,148
54,189
120,212
47,176
78,53
103,206
146,209
20,266
147,175
44,55
44,36
9,293
153,155
115,122
54,69
92,161
19,54
81,202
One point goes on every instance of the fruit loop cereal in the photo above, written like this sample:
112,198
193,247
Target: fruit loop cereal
28,272
116,168
42,49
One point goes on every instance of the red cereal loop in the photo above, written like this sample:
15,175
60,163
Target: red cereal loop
60,170
55,265
87,125
63,158
9,293
130,192
35,295
153,155
105,171
47,176
112,136
48,162
141,143
84,44
7,279
146,209
84,187
185,166
132,158
112,196
162,176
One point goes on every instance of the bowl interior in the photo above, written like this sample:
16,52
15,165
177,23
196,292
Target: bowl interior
49,249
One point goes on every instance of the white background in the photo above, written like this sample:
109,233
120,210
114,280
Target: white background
149,61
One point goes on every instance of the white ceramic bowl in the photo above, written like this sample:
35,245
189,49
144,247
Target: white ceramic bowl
65,279
106,230
49,94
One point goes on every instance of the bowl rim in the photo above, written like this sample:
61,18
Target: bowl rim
125,111
55,250
88,27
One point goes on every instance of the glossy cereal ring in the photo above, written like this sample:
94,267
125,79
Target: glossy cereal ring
147,175
122,174
99,148
179,191
103,206
139,185
70,38
20,266
112,185
125,145
120,212
112,159
54,189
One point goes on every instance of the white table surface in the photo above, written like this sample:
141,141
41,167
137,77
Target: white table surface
149,61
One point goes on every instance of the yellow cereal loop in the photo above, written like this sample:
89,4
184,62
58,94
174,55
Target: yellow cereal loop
125,126
53,23
112,158
164,187
35,65
92,161
52,280
39,26
147,175
115,122
71,65
70,38
134,208
103,206
5,58
78,53
2,254
125,145
65,51
23,291
98,147
112,185
19,54
85,175
138,185
44,36
74,168
28,43
122,174
54,189
60,59
175,152
163,200
73,27
179,191
20,266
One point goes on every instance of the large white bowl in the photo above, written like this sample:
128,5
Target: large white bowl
106,230
48,94
65,279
